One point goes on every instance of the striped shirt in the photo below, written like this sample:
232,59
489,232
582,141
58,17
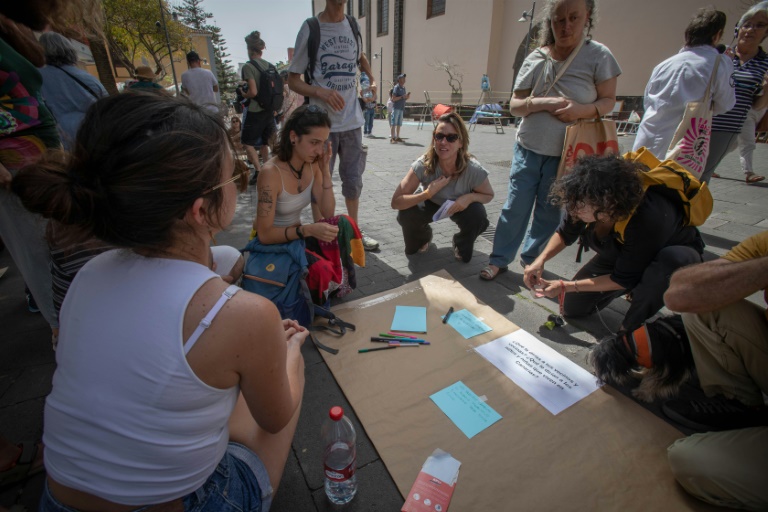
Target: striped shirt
747,80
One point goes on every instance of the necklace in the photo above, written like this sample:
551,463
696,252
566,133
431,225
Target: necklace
297,173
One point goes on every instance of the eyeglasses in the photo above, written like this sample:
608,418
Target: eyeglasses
242,175
452,137
754,26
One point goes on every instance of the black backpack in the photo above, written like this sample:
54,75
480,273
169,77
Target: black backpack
313,44
269,95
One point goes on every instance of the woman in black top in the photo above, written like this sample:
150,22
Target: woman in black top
598,194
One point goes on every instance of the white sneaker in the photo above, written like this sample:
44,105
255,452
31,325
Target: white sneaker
369,244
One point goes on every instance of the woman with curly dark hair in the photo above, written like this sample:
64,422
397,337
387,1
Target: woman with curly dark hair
639,238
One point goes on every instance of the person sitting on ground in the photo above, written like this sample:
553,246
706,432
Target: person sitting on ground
205,383
146,81
67,89
601,195
728,335
447,171
285,189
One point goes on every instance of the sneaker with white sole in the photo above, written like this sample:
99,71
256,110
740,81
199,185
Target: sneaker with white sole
369,244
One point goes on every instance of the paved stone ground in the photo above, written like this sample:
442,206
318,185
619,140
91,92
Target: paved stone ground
27,361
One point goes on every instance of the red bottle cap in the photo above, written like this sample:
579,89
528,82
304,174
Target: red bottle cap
336,413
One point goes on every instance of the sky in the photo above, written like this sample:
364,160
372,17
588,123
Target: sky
277,20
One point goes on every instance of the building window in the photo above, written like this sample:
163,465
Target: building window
361,8
383,15
349,8
435,8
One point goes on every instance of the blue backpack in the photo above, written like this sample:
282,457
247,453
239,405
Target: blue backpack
278,272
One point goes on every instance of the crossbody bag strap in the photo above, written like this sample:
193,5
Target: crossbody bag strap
82,84
562,70
708,95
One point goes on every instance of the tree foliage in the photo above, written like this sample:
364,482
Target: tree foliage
455,76
134,29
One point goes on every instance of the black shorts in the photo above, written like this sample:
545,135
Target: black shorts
258,128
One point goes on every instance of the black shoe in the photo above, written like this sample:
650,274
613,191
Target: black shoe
717,413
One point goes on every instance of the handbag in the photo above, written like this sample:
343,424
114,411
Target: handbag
690,144
587,137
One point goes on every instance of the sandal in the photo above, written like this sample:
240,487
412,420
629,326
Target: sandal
23,467
488,274
754,178
424,248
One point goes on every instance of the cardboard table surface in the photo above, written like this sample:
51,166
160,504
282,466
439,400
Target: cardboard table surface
603,453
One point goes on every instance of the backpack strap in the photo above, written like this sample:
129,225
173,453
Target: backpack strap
356,32
313,44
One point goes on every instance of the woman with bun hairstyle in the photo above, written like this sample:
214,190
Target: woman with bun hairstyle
203,380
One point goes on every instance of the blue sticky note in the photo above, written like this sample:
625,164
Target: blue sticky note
465,409
410,319
467,324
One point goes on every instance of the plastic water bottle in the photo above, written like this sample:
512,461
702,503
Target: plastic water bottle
340,457
365,84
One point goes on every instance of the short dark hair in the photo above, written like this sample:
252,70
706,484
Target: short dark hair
139,163
193,57
302,120
703,26
609,183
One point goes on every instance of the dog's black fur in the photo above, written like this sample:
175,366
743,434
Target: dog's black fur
671,354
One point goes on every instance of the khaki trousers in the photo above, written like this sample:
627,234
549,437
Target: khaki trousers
730,349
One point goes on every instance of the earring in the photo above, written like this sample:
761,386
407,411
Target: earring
293,142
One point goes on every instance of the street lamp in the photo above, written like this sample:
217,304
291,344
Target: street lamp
380,56
168,42
525,17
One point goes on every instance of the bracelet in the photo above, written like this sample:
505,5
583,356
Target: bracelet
286,234
298,232
528,102
576,285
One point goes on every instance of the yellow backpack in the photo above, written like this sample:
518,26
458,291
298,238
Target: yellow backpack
695,196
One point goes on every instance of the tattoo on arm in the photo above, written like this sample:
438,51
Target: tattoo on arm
265,201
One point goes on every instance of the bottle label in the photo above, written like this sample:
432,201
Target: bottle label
340,475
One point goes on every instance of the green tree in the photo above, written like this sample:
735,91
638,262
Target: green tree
134,29
193,15
227,76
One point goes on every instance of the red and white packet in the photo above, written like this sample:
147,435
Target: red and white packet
434,486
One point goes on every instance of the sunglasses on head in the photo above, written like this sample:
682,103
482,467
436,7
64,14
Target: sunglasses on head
240,175
316,110
451,137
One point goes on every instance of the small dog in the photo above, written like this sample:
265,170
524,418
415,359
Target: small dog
660,347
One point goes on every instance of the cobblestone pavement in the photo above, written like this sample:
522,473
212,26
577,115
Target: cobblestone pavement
27,361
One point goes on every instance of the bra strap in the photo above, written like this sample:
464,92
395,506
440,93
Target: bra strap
206,322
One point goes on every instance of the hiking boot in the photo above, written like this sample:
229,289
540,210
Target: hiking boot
369,244
717,413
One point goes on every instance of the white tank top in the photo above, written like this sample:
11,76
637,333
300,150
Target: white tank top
288,206
127,419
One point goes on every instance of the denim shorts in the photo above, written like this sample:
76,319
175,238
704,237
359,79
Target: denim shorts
397,117
239,483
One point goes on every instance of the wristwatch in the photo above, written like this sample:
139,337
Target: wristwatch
298,233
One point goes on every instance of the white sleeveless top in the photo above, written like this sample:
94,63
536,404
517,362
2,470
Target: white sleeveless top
288,206
128,420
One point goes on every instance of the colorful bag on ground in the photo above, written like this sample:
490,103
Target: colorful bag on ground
587,137
690,144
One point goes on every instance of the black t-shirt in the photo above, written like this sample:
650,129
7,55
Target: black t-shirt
657,223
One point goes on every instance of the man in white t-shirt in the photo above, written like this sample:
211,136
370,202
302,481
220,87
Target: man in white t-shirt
200,84
333,86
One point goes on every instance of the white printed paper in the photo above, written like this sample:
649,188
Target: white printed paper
550,378
443,211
